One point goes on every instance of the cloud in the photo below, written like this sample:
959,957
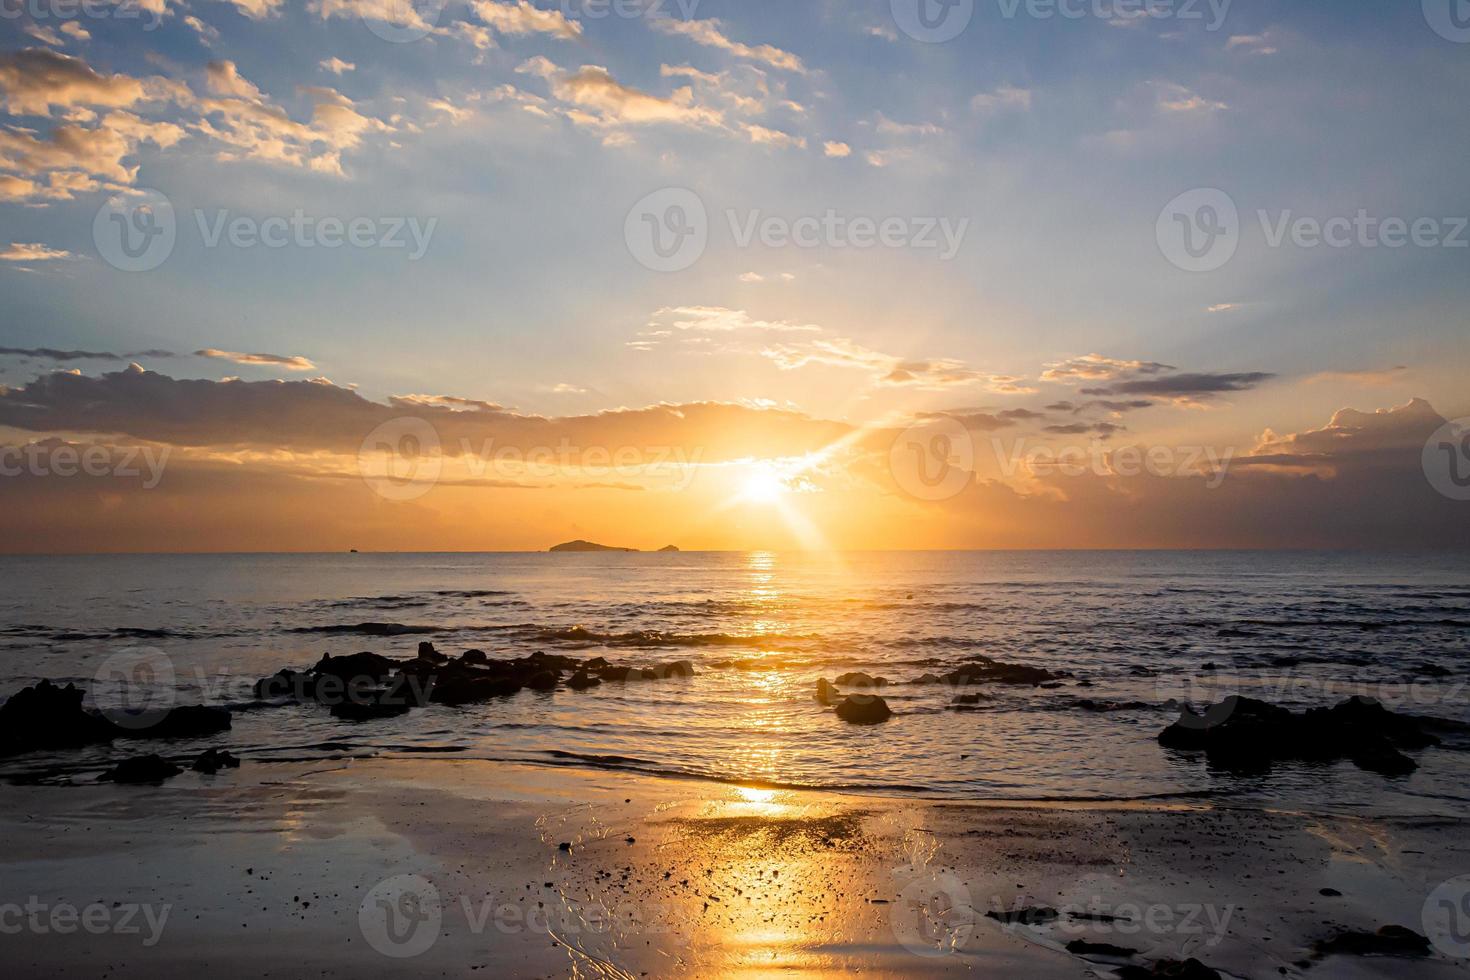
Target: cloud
615,104
253,127
1096,367
45,35
710,33
1103,429
311,416
1186,387
32,252
1170,97
36,80
1253,44
717,319
258,9
336,65
889,127
520,18
295,363
772,137
833,148
52,354
1367,377
1004,98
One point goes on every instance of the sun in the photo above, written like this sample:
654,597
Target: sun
763,487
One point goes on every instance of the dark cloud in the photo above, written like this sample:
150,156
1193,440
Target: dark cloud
1184,385
310,416
52,354
1104,429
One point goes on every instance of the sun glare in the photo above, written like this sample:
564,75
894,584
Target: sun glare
763,487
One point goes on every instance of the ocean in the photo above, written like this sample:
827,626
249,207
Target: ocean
1138,632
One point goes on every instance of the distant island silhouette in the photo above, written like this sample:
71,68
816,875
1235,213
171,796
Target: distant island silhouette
580,545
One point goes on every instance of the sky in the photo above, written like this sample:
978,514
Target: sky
322,274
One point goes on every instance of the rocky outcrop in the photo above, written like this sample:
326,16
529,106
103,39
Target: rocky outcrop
211,761
864,709
46,716
1245,734
1388,941
141,769
186,721
987,671
826,693
856,678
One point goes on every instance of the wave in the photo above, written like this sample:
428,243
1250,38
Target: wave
658,638
370,629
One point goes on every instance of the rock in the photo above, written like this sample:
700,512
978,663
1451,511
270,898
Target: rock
1388,941
926,678
669,547
826,693
474,658
186,721
427,652
986,671
1245,734
471,686
45,716
211,761
616,673
1031,916
285,683
679,668
545,680
141,769
857,678
1081,947
864,709
1190,969
969,698
1329,893
356,666
581,680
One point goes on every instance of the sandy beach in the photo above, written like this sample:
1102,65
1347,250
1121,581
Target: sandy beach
436,866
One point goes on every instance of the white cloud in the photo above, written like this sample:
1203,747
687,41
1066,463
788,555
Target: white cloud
835,148
336,65
710,33
32,252
1004,98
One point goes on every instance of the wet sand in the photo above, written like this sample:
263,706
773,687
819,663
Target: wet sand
444,867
